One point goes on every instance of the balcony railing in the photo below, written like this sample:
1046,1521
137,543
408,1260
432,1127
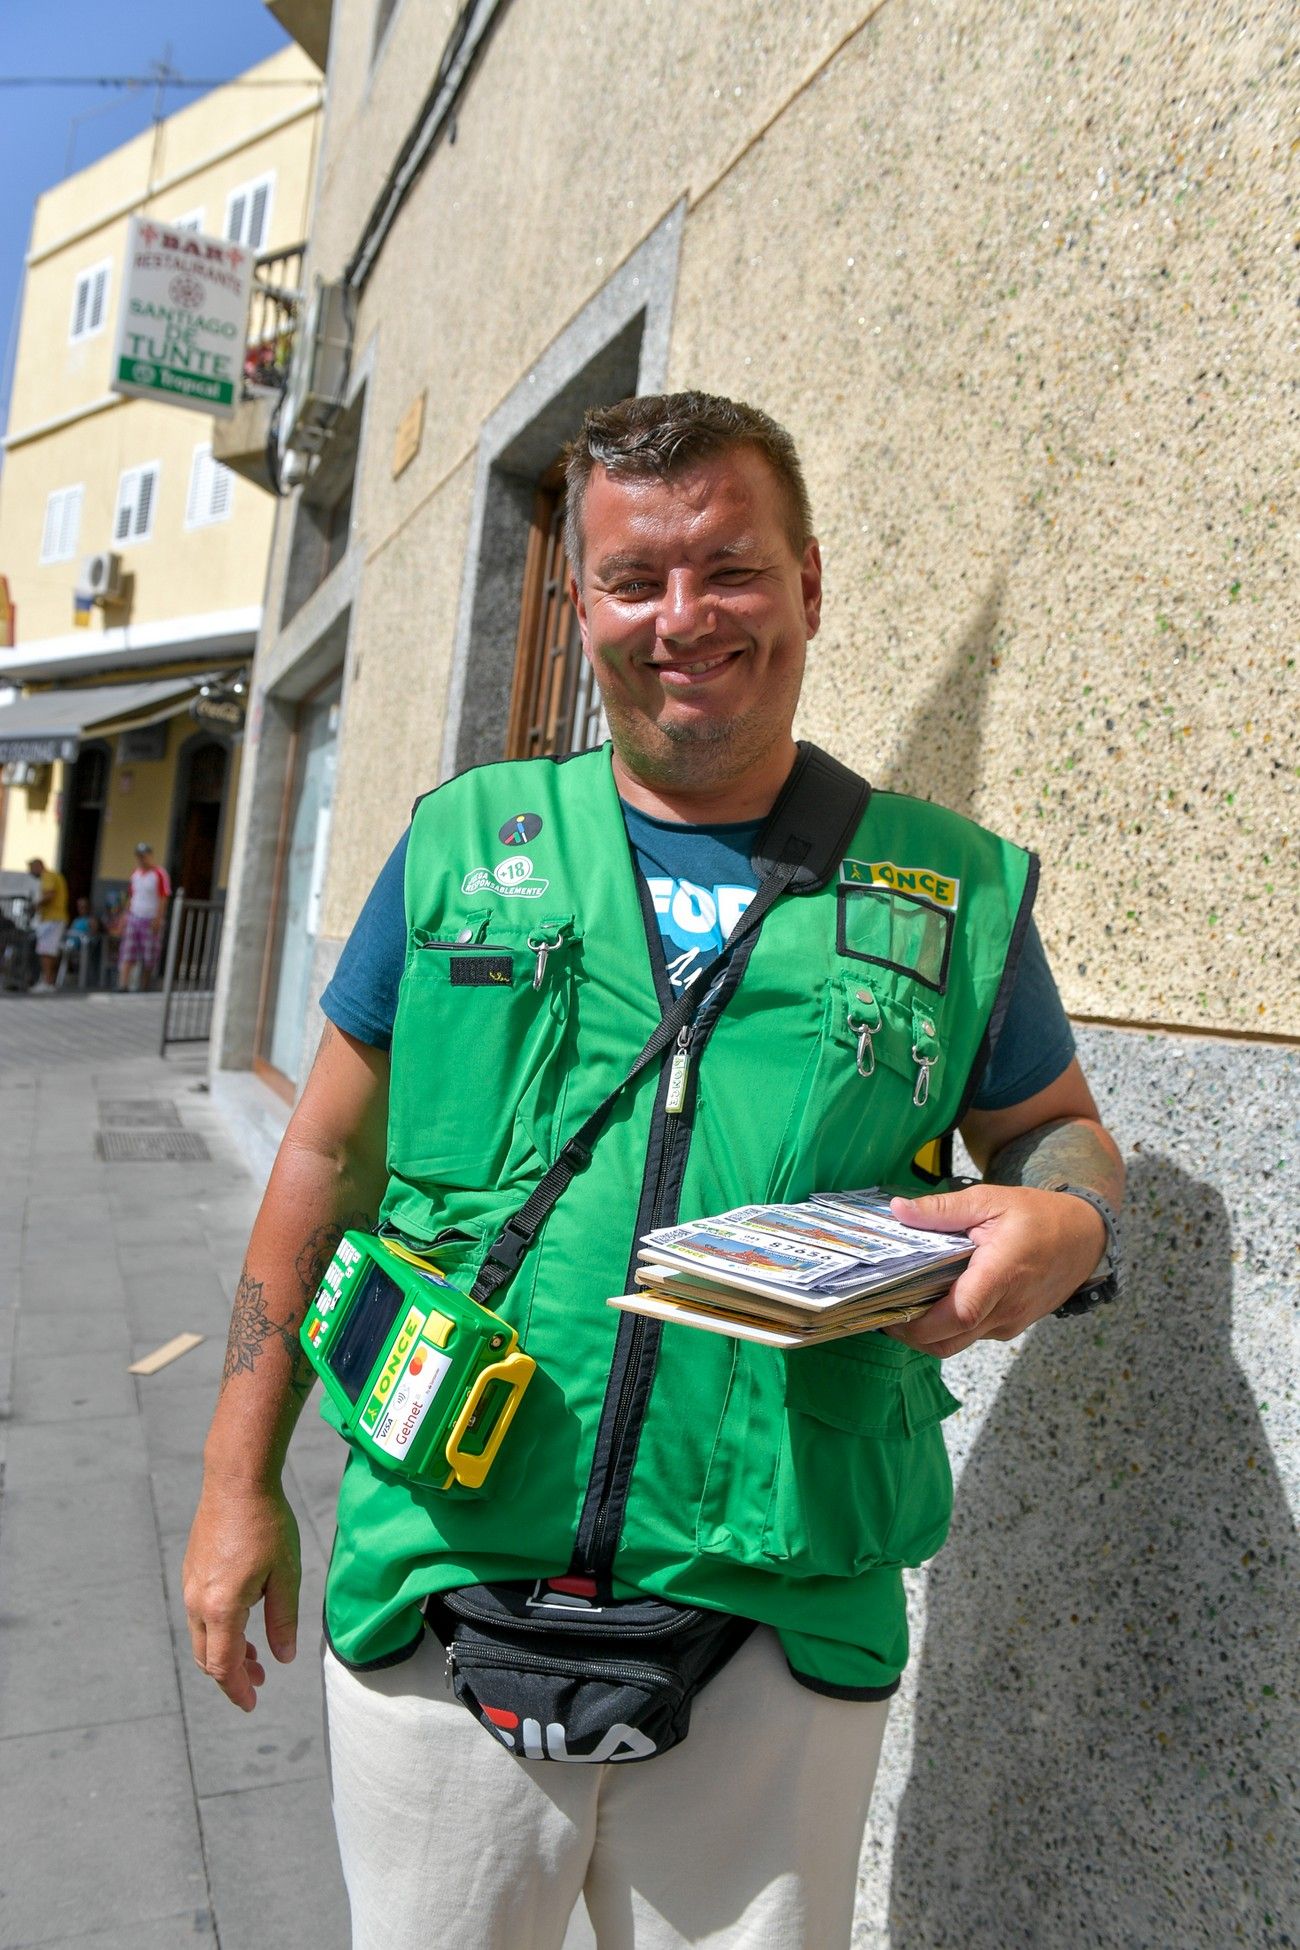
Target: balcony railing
277,305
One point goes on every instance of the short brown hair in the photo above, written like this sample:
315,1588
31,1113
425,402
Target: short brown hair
662,434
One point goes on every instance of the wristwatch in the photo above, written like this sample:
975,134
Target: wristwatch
1103,1283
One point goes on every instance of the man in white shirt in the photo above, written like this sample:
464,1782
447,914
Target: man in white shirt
146,912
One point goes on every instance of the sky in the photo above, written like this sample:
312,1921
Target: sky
49,133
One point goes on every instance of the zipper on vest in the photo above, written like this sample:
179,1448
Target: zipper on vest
636,1348
678,1072
629,1405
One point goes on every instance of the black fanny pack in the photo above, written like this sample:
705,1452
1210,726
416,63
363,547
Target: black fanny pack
555,1675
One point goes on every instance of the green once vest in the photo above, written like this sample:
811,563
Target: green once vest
785,1488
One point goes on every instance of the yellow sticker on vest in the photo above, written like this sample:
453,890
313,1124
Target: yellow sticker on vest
923,882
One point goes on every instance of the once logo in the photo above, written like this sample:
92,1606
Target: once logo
511,872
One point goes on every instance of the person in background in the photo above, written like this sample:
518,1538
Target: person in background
50,912
146,911
83,932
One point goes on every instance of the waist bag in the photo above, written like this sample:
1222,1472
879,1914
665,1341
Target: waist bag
554,1676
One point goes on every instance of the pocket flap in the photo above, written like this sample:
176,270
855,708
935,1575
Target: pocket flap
866,1394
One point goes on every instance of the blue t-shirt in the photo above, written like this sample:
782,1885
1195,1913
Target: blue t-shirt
700,879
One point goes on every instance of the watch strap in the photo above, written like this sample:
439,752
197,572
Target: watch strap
1103,1285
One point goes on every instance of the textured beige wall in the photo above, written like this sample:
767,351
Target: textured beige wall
1022,284
567,153
1019,281
399,659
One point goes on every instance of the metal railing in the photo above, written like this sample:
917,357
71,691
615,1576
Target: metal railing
274,311
190,971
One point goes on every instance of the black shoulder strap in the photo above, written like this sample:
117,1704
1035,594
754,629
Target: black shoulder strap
821,803
809,827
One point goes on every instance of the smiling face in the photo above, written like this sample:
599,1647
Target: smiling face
695,611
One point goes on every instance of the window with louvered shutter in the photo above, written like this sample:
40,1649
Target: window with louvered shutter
248,213
211,492
62,525
70,527
257,216
136,492
143,503
89,302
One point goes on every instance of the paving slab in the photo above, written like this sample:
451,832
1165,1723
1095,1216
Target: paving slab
73,1537
52,1338
86,1658
265,1897
70,1383
100,1449
98,1823
52,1283
164,1933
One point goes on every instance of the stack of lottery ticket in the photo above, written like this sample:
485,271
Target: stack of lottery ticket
789,1275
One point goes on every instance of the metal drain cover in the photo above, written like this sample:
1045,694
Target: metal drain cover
139,1113
150,1147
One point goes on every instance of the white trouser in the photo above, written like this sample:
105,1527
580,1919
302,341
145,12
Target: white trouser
745,1837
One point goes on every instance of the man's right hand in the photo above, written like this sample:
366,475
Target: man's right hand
243,1548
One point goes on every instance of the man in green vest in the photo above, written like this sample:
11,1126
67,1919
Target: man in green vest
533,927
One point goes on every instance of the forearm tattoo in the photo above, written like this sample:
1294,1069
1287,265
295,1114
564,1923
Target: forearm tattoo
1073,1149
252,1329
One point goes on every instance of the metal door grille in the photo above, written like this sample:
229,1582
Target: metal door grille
555,706
190,973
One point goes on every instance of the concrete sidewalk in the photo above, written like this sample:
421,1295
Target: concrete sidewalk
138,1810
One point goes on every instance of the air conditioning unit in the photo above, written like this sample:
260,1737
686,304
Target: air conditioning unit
100,576
318,377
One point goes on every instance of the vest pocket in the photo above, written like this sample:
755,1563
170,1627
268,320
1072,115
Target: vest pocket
858,1101
482,1028
834,1467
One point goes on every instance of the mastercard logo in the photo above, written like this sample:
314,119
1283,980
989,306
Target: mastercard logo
417,1362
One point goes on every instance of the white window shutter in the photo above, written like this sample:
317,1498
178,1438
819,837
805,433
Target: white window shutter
70,525
79,303
98,293
235,218
257,216
53,525
221,491
146,481
125,507
196,499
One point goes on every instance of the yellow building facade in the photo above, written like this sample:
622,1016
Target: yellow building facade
125,712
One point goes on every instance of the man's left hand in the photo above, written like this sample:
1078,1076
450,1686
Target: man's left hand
1033,1249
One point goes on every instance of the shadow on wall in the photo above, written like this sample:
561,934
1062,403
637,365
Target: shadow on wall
1106,1718
940,758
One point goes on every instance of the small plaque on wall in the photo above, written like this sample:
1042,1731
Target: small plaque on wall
143,746
410,429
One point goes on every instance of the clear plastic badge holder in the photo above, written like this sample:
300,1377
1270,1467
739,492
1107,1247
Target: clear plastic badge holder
427,1381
